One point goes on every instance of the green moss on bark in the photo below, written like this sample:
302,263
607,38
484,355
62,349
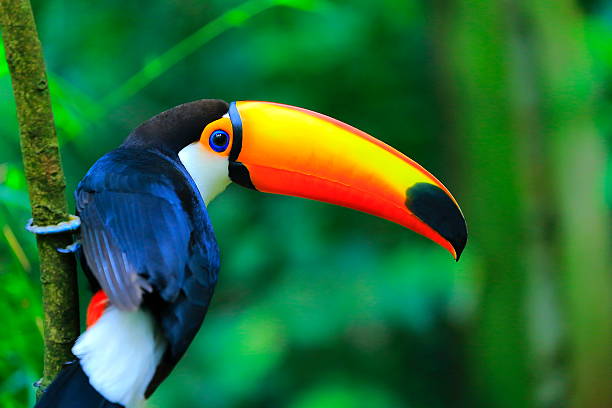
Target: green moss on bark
45,177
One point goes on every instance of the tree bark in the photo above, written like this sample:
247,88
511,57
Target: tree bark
43,171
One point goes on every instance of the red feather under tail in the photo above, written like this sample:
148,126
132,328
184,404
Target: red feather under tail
97,306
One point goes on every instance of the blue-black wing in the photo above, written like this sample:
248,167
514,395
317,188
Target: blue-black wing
135,233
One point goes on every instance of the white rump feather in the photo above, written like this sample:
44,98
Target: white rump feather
120,354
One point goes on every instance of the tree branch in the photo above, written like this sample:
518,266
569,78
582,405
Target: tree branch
45,178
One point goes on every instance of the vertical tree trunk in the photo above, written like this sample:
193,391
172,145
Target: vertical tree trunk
577,155
517,79
45,178
470,38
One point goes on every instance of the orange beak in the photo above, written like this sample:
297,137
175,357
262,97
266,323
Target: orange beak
286,150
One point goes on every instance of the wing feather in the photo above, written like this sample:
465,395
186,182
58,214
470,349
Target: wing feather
134,241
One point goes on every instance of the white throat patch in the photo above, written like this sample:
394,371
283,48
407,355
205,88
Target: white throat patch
209,171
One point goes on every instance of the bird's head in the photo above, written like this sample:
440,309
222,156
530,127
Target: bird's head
281,149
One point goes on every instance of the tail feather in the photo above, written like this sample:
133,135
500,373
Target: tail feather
71,389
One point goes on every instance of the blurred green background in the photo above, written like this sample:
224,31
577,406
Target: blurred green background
508,103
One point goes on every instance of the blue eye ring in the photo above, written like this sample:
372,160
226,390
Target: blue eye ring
219,140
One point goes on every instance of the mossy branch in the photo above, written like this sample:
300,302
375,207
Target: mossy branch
45,178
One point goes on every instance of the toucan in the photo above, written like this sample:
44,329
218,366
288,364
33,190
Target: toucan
149,248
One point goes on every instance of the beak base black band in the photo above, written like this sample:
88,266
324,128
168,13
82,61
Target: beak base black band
237,130
238,172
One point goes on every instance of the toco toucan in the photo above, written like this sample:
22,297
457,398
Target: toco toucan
148,245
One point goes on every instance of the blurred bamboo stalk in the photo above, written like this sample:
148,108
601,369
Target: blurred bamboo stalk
16,247
578,157
45,178
516,79
471,50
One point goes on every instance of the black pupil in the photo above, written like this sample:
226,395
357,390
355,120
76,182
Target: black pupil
220,139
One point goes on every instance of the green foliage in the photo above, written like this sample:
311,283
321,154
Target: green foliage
316,306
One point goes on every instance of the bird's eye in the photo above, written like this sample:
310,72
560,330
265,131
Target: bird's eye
219,140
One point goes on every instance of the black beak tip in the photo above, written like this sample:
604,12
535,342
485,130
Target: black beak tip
435,208
459,244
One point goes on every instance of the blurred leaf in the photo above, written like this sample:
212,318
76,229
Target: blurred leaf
158,65
13,197
338,394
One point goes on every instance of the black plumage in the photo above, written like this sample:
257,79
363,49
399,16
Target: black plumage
146,236
71,389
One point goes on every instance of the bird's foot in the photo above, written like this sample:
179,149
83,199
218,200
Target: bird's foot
70,249
73,224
